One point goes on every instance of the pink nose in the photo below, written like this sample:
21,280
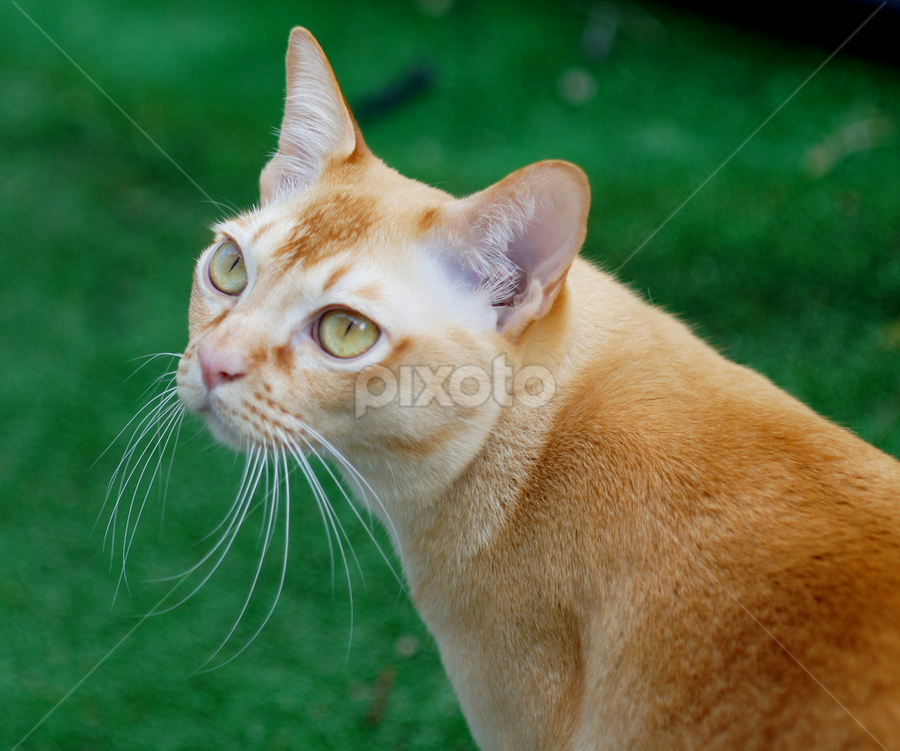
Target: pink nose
219,365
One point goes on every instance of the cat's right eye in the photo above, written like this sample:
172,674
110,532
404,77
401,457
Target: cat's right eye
345,333
227,270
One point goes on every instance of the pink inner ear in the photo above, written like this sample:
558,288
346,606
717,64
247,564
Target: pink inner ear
523,233
543,250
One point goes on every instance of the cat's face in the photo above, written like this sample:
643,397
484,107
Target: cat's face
295,300
359,311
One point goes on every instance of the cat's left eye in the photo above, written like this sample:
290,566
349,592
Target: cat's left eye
227,271
346,333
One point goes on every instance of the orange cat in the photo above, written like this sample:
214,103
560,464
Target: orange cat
618,538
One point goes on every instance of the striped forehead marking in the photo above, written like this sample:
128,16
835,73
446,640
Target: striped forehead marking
330,224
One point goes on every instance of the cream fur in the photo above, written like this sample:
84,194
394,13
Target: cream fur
671,553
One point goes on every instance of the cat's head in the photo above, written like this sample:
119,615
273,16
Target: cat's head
351,303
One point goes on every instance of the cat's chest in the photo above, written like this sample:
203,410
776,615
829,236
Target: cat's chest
498,630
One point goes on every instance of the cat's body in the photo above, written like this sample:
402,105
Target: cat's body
668,553
673,517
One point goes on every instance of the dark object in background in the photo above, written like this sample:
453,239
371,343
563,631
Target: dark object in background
411,83
825,22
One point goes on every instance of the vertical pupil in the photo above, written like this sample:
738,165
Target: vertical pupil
227,270
345,334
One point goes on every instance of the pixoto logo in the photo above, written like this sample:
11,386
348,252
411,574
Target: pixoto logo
449,386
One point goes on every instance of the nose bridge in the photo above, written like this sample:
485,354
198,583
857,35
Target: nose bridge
228,351
236,333
264,319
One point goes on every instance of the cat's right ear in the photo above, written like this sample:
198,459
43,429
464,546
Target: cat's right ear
516,239
317,128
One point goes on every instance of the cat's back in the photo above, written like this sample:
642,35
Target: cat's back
749,582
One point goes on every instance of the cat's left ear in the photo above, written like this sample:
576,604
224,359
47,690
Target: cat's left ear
317,128
520,236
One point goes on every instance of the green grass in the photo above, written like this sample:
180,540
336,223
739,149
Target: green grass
798,276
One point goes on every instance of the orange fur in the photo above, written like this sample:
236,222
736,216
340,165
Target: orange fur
670,553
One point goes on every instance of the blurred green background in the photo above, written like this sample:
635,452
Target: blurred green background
787,260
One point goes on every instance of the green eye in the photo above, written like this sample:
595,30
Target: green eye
345,333
227,271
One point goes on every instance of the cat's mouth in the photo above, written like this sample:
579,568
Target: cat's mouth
225,430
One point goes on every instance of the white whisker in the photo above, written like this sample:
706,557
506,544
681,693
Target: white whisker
253,455
319,491
148,359
322,508
365,487
164,489
167,425
169,375
151,424
166,394
264,481
279,461
369,530
149,416
157,422
235,520
333,523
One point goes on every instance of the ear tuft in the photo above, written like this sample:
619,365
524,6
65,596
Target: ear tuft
317,127
520,236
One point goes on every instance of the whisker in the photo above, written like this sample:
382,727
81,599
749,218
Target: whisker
170,375
228,207
369,531
323,512
267,525
149,416
249,454
331,522
319,491
343,492
166,427
166,394
321,500
150,358
265,482
165,486
154,423
365,488
279,459
156,428
237,515
270,490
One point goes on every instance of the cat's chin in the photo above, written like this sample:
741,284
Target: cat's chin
225,433
244,439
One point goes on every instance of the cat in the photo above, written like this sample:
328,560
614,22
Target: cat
618,538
